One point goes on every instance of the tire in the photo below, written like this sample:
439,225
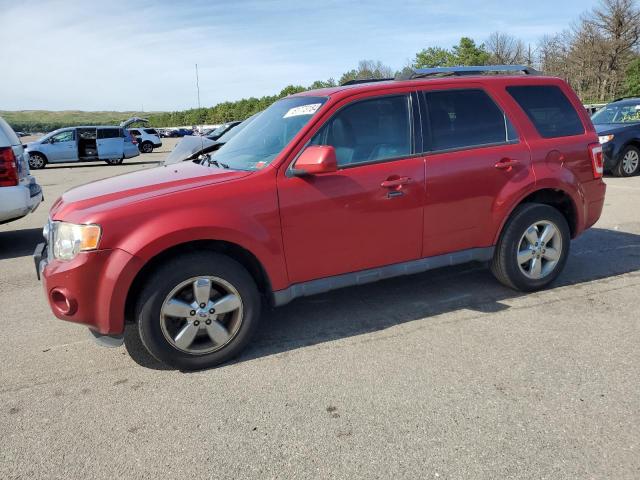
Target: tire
629,163
146,147
114,161
37,161
527,222
172,287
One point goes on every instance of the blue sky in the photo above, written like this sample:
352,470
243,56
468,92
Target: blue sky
62,55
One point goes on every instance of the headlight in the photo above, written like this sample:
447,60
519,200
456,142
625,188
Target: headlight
605,138
69,239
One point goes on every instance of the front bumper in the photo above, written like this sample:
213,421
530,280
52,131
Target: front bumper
91,289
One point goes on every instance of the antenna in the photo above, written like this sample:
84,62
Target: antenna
198,90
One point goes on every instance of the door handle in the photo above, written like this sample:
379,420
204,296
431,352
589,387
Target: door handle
506,164
395,182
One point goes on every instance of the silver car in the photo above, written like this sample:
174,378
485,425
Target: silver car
111,144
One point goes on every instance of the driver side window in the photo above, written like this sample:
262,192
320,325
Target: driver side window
369,131
63,137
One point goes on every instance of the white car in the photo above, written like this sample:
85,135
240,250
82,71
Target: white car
148,138
19,192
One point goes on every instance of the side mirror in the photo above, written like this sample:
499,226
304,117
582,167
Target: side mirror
316,159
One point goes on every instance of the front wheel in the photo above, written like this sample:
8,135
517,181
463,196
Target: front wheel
37,161
198,310
533,248
629,164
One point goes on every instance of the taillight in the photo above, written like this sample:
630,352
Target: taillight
8,168
597,159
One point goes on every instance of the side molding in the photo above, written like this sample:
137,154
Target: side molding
321,285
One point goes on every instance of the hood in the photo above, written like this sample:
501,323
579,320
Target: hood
118,191
612,128
189,148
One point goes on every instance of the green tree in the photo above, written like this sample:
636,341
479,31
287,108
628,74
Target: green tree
434,57
468,53
632,78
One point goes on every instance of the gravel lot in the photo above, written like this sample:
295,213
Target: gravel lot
439,375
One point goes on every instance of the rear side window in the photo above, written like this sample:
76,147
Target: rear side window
109,133
369,131
549,110
151,131
465,119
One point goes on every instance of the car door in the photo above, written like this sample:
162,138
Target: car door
474,162
110,143
369,212
62,147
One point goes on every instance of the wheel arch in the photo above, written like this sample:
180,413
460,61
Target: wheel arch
558,198
238,253
46,159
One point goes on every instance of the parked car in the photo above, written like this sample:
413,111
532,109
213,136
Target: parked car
19,192
191,148
82,144
216,133
323,190
618,126
147,138
182,132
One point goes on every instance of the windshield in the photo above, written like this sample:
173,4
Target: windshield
229,134
617,113
256,145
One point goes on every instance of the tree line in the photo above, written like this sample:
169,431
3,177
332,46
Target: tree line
599,56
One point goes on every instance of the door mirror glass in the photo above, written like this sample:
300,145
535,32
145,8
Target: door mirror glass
316,159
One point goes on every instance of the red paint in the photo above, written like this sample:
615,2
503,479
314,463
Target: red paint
307,227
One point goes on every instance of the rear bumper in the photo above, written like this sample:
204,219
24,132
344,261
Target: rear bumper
157,145
594,194
91,289
18,201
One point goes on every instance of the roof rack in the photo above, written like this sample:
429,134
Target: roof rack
471,70
364,80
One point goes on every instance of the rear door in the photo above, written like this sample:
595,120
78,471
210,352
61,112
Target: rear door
474,159
110,143
369,212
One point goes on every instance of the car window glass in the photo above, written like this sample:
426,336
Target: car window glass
109,133
369,131
63,137
87,133
134,132
464,119
617,113
549,109
150,131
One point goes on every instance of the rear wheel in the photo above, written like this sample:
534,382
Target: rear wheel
198,310
629,163
37,161
114,161
533,248
146,147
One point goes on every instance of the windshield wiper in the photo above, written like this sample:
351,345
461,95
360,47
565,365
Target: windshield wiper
212,161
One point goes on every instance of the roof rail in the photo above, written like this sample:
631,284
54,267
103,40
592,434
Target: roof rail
470,70
364,80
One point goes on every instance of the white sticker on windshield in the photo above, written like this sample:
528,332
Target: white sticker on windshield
302,110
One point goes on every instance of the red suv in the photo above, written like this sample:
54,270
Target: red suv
323,190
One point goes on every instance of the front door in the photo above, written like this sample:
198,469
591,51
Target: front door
62,147
110,143
369,212
474,160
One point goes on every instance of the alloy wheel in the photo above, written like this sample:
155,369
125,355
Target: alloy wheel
630,162
201,315
539,250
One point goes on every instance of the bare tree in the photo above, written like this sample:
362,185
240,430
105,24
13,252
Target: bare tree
505,49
